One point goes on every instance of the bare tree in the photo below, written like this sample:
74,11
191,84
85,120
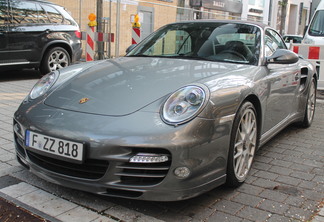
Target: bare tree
283,4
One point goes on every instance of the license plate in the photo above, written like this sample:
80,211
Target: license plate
55,146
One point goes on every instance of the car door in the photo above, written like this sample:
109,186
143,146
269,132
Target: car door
26,31
283,81
3,30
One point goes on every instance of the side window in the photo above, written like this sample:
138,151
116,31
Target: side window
68,20
23,13
317,26
3,12
272,42
42,16
53,14
269,50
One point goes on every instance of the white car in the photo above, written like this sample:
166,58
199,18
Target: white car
292,38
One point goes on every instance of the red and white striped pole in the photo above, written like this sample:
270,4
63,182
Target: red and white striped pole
136,35
90,47
90,50
136,30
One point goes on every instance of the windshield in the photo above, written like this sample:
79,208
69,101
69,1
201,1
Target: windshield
225,42
317,26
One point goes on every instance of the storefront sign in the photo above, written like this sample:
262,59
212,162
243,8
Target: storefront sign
222,5
124,2
255,10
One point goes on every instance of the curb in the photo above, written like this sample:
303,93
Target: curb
30,209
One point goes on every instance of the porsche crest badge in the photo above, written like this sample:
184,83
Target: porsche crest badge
83,100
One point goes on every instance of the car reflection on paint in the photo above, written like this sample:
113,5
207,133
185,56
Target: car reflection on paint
182,113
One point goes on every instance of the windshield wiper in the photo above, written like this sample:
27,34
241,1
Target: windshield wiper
140,55
235,61
183,56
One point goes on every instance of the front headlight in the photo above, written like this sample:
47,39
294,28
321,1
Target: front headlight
184,105
43,85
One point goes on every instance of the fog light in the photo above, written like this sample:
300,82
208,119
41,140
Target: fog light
149,158
182,172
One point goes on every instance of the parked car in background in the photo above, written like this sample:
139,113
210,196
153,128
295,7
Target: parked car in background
37,34
182,113
292,39
315,30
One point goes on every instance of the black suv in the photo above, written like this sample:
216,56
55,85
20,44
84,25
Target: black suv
37,34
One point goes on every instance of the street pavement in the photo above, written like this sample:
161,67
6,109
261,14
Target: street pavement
286,182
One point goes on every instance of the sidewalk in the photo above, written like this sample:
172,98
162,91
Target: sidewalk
286,182
320,95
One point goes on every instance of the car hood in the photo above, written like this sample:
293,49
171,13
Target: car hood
125,85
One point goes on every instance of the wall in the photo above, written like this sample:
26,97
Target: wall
80,9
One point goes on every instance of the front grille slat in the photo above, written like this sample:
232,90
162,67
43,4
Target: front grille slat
90,169
19,146
144,174
143,167
141,175
71,167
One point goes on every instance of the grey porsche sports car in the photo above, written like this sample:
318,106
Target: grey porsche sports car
182,113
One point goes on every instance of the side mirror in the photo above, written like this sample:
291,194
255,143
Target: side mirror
130,48
283,56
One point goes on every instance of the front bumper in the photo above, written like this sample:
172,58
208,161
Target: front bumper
200,145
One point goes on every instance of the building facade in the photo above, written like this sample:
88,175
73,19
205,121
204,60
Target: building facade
297,17
270,11
153,14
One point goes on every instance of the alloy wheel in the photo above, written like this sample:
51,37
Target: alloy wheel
311,102
245,144
57,60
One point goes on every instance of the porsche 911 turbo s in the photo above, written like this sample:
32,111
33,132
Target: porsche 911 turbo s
182,113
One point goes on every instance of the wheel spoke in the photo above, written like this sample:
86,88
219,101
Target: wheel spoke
242,164
62,60
241,135
253,134
250,122
238,154
246,124
239,165
55,55
51,60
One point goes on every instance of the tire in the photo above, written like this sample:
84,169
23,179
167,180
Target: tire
55,58
310,105
244,143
